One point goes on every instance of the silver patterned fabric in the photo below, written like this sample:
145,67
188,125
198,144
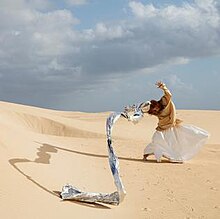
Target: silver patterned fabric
113,159
132,113
73,193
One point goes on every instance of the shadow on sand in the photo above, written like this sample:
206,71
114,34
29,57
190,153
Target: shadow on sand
43,157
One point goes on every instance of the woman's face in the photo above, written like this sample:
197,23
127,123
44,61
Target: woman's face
156,110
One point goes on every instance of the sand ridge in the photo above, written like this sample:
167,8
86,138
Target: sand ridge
42,149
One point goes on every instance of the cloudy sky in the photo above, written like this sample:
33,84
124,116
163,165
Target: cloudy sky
100,55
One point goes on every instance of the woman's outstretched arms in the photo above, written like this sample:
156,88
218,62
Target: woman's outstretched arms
162,86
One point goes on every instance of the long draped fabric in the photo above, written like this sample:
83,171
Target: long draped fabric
133,114
73,193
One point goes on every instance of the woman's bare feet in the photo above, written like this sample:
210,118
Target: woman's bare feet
145,156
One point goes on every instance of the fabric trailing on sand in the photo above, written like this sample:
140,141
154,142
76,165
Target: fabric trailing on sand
131,113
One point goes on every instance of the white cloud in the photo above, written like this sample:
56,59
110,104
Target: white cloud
142,11
76,2
203,12
21,4
38,46
104,32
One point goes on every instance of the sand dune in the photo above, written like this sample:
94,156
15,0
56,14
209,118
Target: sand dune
41,150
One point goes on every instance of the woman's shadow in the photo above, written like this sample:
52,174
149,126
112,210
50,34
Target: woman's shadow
43,157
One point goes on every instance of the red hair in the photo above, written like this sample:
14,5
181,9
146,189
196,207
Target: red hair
155,107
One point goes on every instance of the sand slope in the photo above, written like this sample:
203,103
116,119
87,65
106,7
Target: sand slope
41,150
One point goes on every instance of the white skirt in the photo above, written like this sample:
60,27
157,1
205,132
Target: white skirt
178,143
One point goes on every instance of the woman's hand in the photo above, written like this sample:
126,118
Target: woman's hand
159,84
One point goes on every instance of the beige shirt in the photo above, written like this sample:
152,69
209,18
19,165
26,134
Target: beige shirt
167,117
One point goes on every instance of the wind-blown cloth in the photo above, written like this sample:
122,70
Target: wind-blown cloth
132,113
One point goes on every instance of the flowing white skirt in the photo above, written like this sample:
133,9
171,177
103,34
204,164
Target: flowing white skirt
178,143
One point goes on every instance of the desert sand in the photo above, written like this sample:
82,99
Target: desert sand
42,149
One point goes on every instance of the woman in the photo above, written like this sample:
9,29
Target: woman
171,139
